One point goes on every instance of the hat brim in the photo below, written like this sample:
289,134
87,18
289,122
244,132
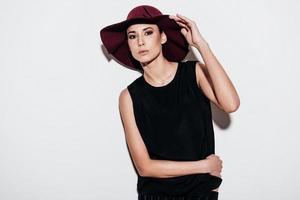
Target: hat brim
114,39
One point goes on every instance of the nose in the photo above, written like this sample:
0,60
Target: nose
140,41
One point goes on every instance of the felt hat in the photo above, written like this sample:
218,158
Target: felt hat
114,37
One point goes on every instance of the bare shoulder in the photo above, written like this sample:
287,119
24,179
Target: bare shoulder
124,97
125,103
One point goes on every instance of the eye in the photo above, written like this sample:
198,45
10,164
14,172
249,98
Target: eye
131,36
149,32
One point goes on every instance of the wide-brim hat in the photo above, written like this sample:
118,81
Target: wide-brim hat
114,37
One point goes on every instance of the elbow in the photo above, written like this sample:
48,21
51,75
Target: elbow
143,170
232,108
142,173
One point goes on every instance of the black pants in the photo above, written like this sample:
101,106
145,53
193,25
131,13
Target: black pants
213,195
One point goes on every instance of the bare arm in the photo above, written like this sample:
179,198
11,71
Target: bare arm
143,163
215,82
167,168
212,78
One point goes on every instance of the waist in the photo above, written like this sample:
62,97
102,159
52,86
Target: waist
212,195
186,185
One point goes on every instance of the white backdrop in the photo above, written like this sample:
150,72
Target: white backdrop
61,135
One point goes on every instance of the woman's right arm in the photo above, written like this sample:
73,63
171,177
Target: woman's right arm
157,168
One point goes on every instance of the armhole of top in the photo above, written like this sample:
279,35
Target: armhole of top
199,89
194,75
130,93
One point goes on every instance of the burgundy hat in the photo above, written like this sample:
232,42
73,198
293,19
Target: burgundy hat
114,37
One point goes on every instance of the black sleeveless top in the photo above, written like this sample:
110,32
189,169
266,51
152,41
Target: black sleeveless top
175,123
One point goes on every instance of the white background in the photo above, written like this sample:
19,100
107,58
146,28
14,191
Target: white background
61,137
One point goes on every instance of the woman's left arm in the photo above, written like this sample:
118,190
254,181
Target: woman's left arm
211,76
214,81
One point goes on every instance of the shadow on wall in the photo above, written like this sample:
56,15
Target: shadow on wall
221,118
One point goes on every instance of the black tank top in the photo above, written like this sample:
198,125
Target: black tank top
175,123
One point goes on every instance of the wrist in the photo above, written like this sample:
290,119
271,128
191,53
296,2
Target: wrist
203,166
201,45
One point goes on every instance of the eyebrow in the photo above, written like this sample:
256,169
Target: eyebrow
143,30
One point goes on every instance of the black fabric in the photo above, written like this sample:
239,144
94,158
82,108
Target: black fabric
175,123
213,195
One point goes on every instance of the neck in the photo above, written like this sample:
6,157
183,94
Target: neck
159,71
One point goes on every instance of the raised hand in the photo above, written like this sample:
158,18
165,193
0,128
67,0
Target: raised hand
189,30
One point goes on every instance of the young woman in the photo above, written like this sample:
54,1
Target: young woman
166,112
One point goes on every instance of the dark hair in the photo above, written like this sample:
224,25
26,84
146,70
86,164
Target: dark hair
160,29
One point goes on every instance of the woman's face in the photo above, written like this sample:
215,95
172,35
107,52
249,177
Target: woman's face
144,41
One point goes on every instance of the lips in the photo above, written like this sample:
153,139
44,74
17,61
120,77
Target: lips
143,51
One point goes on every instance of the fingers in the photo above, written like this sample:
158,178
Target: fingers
212,155
180,23
182,18
218,174
184,25
177,19
215,165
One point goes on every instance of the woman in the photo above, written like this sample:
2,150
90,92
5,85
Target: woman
166,112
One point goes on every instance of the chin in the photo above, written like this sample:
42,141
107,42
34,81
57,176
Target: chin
146,59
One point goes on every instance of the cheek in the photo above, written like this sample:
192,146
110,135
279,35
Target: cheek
131,48
132,44
156,46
